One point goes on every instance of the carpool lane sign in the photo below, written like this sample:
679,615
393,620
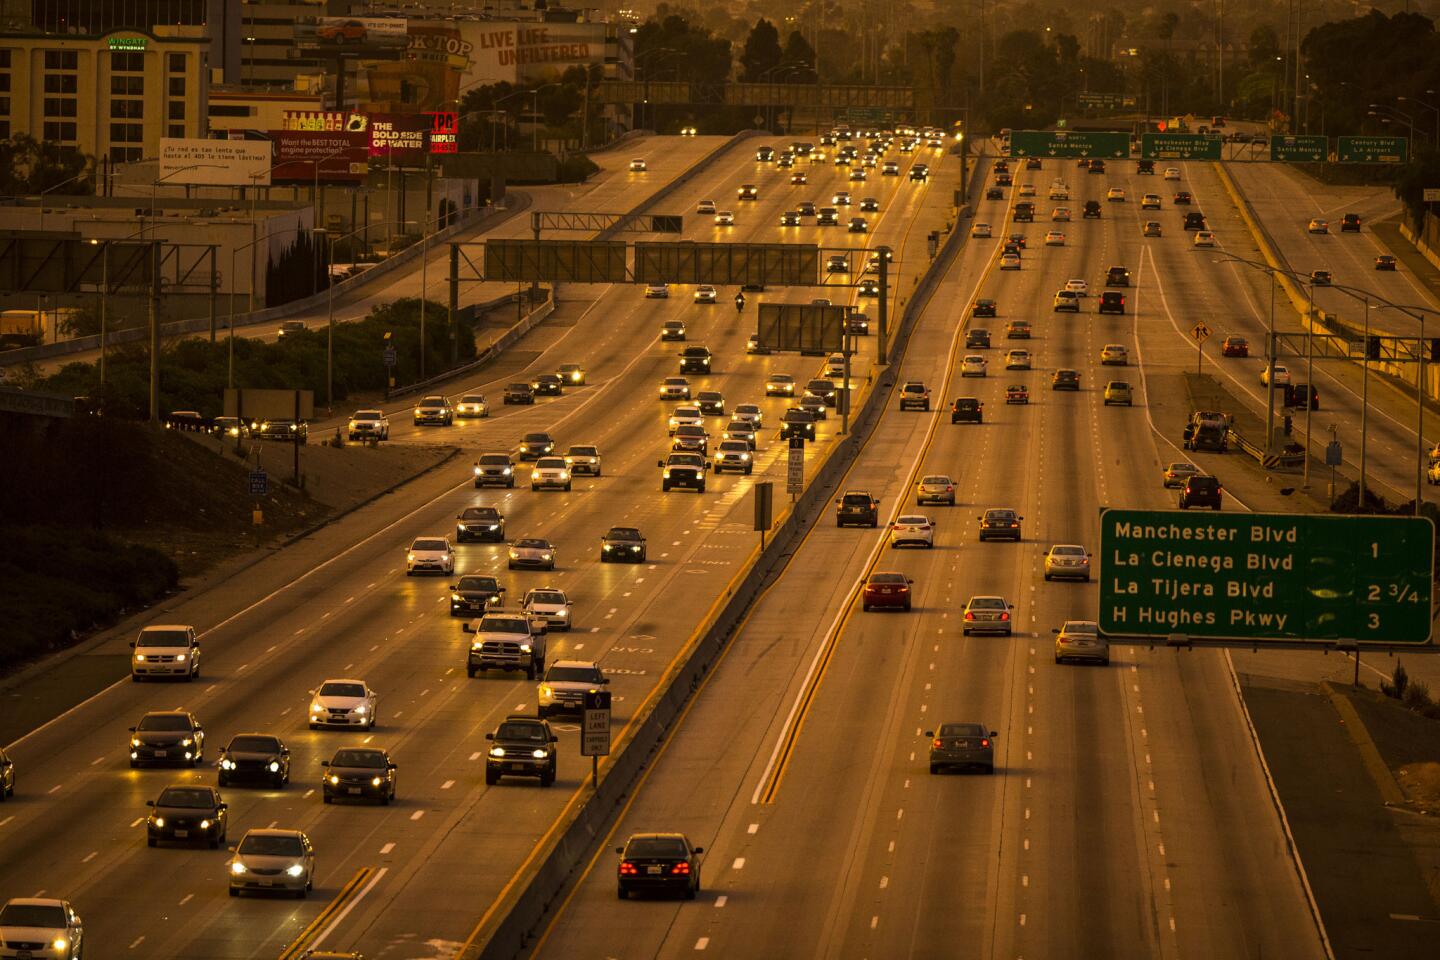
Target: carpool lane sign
1266,576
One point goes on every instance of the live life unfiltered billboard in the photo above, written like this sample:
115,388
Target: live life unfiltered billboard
445,58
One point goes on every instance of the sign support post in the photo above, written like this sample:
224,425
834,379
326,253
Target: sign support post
595,734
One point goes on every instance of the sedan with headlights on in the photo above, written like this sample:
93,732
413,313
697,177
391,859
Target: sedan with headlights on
550,473
257,757
167,736
273,860
532,552
361,773
186,812
343,703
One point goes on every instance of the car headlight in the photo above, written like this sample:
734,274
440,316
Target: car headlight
545,690
140,657
274,766
159,821
562,613
564,474
538,754
636,549
454,596
237,867
477,471
497,751
410,557
180,658
524,648
204,824
667,474
60,943
575,377
134,741
227,764
507,472
316,708
360,709
744,456
295,870
545,556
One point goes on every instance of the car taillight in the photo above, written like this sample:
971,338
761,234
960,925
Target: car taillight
949,486
984,741
627,869
902,589
969,615
1005,616
939,743
682,868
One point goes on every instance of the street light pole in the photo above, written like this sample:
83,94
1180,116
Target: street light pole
1420,417
1364,403
1270,378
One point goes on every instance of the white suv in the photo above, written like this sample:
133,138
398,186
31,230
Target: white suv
550,472
166,651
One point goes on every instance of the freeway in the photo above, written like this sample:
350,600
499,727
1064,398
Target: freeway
420,873
1128,815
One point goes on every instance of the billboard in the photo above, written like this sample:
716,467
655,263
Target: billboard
400,136
305,155
373,37
328,121
227,163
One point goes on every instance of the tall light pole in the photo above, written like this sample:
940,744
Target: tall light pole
535,112
1364,404
1428,106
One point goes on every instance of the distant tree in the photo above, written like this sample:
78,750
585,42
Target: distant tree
799,51
30,166
1421,172
762,52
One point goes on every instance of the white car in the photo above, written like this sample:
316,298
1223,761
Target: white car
912,530
1027,189
1172,173
674,388
1151,201
657,291
550,472
343,703
705,206
272,860
583,458
1318,225
685,417
1067,561
1078,287
1115,195
706,294
532,552
551,604
1010,261
733,455
725,218
1017,360
40,928
1204,239
165,651
1178,472
1059,193
973,365
980,231
1114,354
472,406
368,424
750,412
835,365
1060,215
1055,238
638,165
1282,375
430,555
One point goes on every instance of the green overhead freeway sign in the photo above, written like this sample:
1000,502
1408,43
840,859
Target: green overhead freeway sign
1179,146
1372,149
1069,143
1262,576
1313,149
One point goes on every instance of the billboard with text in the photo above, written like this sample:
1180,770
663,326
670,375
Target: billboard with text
201,162
373,37
330,157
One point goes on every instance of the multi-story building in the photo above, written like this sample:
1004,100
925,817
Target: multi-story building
111,95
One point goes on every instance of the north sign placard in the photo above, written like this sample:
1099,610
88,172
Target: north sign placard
1179,146
1259,577
1308,149
1069,143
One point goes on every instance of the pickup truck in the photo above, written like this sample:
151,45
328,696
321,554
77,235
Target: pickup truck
506,640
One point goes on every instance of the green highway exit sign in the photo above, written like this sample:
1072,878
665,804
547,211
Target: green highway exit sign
1372,149
1069,143
1313,149
1260,576
1179,146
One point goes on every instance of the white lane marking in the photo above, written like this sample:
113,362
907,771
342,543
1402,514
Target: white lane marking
386,849
752,828
134,823
721,900
186,899
874,922
447,784
90,856
417,814
54,788
884,882
308,793
702,943
340,918
519,706
475,755
136,942
739,864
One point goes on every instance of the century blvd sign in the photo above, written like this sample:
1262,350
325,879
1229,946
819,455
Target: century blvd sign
1266,576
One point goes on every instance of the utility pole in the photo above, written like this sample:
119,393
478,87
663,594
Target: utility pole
154,311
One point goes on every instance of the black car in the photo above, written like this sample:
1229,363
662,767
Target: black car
494,468
967,410
857,508
533,446
1065,379
994,193
622,545
521,747
1117,277
167,736
1033,163
983,308
1350,223
1112,301
1182,198
1023,212
1299,394
978,338
255,756
1145,166
1206,436
857,325
7,775
797,423
519,393
1097,166
695,360
1000,525
1194,220
711,404
473,594
480,523
1092,210
188,812
548,385
823,388
1200,491
919,172
361,772
658,862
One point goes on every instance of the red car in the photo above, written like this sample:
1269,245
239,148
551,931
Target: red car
1235,347
886,590
1017,393
350,31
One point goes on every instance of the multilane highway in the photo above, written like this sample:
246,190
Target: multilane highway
339,605
1128,815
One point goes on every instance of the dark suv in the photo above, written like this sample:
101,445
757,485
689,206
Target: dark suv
978,338
519,393
1194,220
695,360
521,747
1350,223
967,410
1092,210
1117,277
1200,492
1112,301
857,508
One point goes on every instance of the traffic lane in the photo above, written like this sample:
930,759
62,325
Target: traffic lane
580,919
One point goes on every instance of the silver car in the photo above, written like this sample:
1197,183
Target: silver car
1178,472
549,604
273,860
1081,640
532,552
1067,561
936,488
987,615
962,745
40,928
